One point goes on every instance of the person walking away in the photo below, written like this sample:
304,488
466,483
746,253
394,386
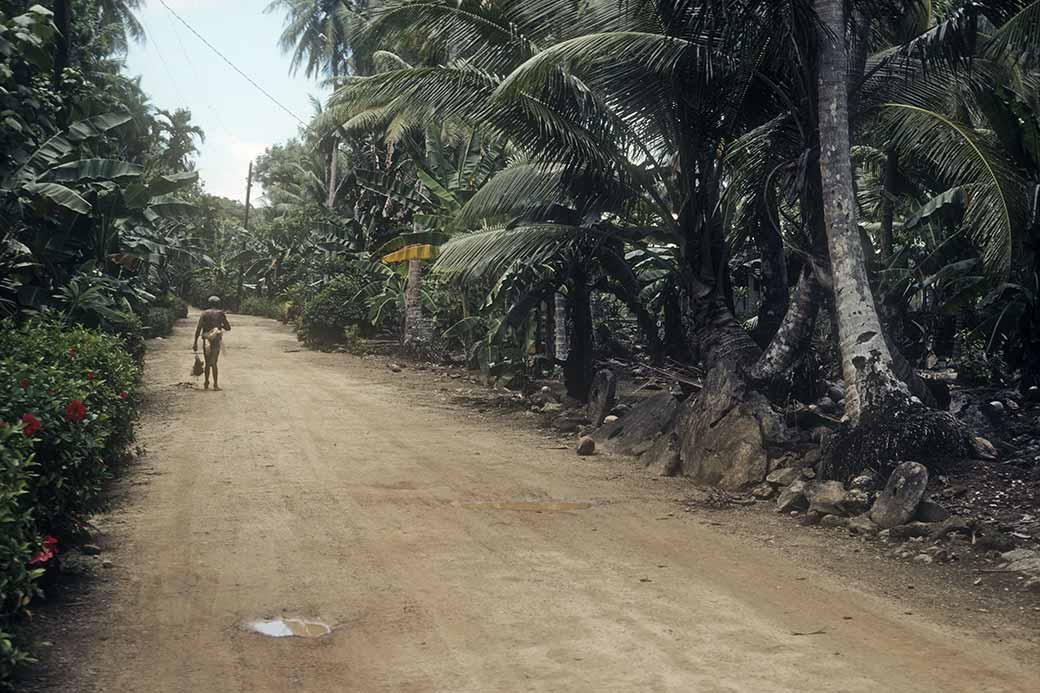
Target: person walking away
212,324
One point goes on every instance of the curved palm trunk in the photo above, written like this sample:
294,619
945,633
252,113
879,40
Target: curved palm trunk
794,332
413,302
866,361
720,338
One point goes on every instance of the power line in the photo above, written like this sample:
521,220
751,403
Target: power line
198,77
233,66
166,66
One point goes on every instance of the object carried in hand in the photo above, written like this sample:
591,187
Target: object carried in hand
199,368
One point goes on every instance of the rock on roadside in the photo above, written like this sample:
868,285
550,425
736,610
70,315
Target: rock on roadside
898,502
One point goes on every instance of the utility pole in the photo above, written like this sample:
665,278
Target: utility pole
245,225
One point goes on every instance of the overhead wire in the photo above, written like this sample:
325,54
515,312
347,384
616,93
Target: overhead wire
232,65
198,77
166,65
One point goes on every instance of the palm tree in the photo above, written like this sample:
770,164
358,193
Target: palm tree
178,136
319,35
870,380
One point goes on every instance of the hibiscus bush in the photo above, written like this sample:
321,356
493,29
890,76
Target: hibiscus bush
66,416
19,540
70,390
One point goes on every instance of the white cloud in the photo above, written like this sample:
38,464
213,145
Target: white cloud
224,165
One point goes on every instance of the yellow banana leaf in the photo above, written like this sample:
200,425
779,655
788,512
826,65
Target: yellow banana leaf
424,251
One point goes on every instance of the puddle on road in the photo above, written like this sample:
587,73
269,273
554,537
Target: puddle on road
530,506
290,628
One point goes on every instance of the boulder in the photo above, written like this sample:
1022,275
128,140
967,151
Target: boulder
784,477
954,525
898,502
857,501
794,497
867,481
763,491
994,409
930,511
728,432
810,519
602,396
834,521
636,431
827,498
586,446
984,449
663,456
1023,561
862,524
569,423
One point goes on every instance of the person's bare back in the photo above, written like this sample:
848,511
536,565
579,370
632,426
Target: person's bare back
212,324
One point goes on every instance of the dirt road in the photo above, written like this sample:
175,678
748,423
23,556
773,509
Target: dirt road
449,557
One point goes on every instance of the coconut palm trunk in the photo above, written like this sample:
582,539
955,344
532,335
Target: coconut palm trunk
870,380
413,302
562,346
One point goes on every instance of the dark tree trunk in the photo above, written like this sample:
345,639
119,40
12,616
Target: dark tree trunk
720,339
675,344
774,278
578,368
63,21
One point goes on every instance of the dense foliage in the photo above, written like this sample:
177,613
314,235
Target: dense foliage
66,418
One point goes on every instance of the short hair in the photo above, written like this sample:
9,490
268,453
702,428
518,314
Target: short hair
214,300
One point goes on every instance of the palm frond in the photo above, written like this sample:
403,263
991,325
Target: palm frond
483,254
962,156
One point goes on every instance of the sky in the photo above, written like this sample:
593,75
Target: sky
178,70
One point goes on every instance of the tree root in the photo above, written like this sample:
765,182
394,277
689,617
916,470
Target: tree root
889,435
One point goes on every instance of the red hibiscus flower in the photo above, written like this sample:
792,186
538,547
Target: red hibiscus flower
23,383
45,554
90,375
75,411
30,425
124,395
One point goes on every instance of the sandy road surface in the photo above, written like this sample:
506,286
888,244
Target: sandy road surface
304,489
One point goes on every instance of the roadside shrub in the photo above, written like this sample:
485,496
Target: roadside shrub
326,315
158,320
18,541
177,306
66,415
264,307
131,337
76,385
977,367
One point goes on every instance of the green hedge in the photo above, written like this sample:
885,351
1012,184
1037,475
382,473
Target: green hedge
18,541
326,315
66,416
264,307
159,316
